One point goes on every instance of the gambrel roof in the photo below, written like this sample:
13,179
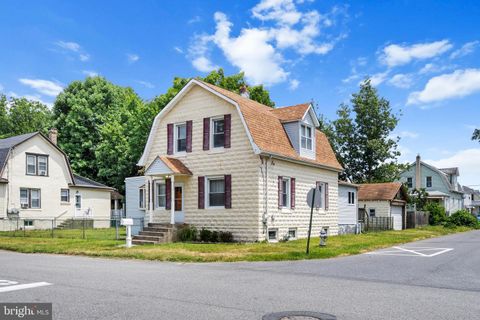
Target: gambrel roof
264,127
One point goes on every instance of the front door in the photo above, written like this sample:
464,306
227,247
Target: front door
178,199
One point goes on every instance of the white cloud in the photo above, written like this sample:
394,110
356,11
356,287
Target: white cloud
258,51
45,87
460,83
250,52
396,55
467,162
178,49
294,83
406,134
194,20
132,57
38,99
70,46
146,84
378,78
403,81
90,73
434,68
466,49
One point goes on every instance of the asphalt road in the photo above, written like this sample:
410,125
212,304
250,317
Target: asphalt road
407,283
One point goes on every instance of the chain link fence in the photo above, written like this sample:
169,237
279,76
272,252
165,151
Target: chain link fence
68,228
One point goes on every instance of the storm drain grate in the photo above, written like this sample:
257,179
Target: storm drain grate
298,315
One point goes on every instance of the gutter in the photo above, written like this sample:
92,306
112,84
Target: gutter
303,162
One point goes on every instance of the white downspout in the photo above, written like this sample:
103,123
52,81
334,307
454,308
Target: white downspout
172,200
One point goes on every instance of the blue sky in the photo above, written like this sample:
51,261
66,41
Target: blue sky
424,56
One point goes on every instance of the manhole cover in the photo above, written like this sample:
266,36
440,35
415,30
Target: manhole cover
298,315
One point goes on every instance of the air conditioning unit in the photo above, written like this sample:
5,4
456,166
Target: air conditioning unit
43,173
24,205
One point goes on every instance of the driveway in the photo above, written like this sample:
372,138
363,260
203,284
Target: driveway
431,279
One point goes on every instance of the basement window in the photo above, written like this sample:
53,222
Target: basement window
272,235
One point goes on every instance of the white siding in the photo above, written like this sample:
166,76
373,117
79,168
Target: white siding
3,197
132,185
244,218
306,178
58,178
293,132
382,208
347,213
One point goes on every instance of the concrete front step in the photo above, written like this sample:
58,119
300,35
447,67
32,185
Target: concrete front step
149,238
160,225
134,241
155,229
152,233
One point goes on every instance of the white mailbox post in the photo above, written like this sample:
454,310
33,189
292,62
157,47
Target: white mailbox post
128,223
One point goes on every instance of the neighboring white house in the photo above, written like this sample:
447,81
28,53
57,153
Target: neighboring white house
37,182
348,208
384,200
219,160
471,200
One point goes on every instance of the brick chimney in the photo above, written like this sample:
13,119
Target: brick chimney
418,173
244,91
53,135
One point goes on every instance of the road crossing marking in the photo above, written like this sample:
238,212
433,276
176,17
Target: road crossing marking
425,252
15,287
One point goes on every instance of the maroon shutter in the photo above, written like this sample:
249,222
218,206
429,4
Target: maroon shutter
206,133
153,195
292,193
189,135
170,138
326,195
168,193
201,192
280,191
227,120
228,191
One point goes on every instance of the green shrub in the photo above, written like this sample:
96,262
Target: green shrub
189,233
205,235
436,213
214,236
225,236
462,218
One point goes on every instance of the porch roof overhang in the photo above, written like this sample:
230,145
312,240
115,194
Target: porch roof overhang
437,195
167,166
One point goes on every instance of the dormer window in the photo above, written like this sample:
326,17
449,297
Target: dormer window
306,137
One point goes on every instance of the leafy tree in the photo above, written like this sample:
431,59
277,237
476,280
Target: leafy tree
419,198
90,115
476,135
20,115
361,137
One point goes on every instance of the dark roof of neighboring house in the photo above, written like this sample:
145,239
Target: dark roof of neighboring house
80,181
470,190
378,191
8,143
268,133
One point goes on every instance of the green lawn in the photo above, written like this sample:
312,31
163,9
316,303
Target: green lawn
99,243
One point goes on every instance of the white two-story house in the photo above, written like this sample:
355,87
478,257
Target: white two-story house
38,185
219,160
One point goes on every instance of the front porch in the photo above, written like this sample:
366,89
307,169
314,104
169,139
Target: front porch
165,191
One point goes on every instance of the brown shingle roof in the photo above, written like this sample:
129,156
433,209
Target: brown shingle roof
291,113
378,191
269,135
176,165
